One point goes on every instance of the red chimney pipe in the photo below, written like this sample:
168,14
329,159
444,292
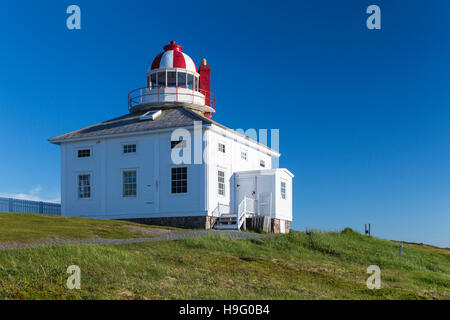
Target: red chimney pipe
205,84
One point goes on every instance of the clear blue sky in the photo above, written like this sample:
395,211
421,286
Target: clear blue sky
363,115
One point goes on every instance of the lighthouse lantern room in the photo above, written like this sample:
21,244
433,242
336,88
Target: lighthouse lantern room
173,79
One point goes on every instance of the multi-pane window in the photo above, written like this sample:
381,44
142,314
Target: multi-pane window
178,144
283,190
129,148
129,183
84,186
221,147
243,155
221,182
179,180
262,164
84,153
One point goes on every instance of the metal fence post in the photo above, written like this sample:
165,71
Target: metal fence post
11,205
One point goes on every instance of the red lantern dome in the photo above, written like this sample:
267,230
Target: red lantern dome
173,57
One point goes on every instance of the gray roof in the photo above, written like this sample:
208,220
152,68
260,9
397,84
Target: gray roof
129,123
172,117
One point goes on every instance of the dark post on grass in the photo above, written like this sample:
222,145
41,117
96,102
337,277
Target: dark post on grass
400,250
367,230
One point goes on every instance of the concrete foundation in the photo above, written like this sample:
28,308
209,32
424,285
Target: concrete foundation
276,225
198,222
207,222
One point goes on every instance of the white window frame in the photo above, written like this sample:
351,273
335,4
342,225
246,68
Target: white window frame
244,152
187,180
262,163
79,174
124,144
285,189
219,183
219,145
123,182
77,150
183,143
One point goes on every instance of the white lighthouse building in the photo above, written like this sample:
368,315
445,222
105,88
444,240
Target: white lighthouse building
167,162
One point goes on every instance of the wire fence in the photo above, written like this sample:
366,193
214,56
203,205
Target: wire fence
27,206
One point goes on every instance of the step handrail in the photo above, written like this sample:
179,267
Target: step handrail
243,209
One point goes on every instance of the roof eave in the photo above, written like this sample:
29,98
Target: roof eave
125,134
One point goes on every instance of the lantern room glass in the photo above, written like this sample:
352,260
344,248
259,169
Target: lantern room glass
153,80
173,78
181,79
161,79
190,81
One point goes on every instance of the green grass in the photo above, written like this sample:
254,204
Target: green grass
27,227
299,265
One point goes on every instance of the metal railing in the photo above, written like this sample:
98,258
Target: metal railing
247,206
138,96
221,209
28,206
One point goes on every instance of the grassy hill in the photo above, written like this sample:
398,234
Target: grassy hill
299,265
26,227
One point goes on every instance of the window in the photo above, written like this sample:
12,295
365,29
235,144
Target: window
178,144
179,180
153,80
190,81
262,163
221,147
283,190
129,148
129,183
221,182
84,153
171,78
181,79
84,186
197,84
244,155
150,115
161,79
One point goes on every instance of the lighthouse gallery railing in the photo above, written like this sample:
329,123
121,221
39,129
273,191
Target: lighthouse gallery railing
137,96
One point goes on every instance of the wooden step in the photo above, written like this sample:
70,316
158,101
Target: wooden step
228,215
226,226
227,218
226,221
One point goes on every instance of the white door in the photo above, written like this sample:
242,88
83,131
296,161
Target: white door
150,183
150,186
245,187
